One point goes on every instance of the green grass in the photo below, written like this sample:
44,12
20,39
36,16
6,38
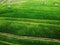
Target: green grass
30,18
26,41
32,13
32,10
30,28
1,43
57,22
5,43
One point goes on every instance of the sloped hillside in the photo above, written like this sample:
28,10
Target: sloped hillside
30,22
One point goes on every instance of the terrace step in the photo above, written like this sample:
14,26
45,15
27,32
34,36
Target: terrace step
28,37
7,43
54,22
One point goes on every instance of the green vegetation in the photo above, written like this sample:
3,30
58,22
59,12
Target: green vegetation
31,9
30,29
26,41
37,21
3,43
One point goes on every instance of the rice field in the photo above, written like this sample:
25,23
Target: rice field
30,22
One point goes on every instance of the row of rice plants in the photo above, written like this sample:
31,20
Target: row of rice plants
30,29
26,41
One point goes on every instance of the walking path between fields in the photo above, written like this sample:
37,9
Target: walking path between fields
29,37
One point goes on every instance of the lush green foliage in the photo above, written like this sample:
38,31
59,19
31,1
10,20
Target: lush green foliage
30,29
26,41
35,18
31,9
1,43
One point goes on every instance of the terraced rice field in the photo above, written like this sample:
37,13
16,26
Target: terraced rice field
30,22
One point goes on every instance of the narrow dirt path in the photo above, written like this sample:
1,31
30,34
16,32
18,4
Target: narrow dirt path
32,38
8,43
